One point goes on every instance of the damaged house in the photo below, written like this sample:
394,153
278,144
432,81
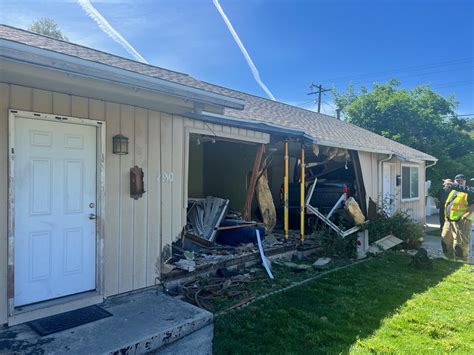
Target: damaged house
104,161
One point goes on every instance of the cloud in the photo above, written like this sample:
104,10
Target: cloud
109,30
249,60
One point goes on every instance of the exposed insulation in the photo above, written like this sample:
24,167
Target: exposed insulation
352,207
265,203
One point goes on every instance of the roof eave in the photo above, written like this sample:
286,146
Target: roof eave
20,52
291,132
274,129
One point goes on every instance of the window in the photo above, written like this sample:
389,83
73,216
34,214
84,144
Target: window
410,182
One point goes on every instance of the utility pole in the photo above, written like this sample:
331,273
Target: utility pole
319,93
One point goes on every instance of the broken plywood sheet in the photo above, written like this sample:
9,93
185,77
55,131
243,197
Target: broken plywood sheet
385,243
205,215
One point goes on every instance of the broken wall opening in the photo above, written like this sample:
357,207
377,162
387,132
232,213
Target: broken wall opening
219,174
220,171
220,167
336,169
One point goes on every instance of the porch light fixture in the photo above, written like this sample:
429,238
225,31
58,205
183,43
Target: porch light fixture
120,144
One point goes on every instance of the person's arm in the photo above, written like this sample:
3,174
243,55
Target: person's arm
470,199
468,214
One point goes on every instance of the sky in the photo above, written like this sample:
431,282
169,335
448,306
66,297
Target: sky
293,43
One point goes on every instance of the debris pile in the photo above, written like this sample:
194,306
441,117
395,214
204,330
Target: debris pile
208,293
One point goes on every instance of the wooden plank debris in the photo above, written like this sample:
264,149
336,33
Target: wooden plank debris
246,213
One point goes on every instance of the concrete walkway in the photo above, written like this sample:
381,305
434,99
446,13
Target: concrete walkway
143,322
431,243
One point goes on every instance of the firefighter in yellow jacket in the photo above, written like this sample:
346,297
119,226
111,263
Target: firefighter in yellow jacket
459,211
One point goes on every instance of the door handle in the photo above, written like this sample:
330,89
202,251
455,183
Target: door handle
92,216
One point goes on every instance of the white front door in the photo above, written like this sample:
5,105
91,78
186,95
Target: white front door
55,206
388,202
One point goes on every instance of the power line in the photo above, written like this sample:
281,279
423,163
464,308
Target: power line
403,69
400,76
330,105
296,102
304,103
321,90
455,83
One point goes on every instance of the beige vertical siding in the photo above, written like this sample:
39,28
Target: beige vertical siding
140,216
4,104
112,208
373,184
166,187
154,198
136,231
416,208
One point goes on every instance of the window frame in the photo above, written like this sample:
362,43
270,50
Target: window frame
409,199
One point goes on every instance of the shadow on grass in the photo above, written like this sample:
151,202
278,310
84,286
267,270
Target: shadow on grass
329,314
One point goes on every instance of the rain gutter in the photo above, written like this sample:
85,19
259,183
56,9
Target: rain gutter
23,53
271,128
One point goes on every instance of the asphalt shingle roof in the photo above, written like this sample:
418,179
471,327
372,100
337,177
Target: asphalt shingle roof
320,127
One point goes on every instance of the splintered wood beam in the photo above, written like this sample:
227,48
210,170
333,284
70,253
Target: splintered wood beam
247,211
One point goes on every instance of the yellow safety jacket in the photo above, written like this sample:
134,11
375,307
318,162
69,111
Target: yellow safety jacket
456,206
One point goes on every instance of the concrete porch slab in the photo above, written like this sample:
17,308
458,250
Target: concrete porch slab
147,321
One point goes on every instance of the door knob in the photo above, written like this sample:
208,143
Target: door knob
92,216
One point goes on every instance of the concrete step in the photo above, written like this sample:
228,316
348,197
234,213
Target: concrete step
142,322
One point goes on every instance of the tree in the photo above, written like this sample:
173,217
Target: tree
47,27
419,118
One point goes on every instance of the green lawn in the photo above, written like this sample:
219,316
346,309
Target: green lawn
383,305
434,233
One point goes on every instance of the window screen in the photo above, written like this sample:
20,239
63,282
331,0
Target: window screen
405,182
410,182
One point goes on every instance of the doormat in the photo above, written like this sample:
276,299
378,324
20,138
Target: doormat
68,320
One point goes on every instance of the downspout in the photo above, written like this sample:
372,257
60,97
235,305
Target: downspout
380,177
424,202
430,166
285,193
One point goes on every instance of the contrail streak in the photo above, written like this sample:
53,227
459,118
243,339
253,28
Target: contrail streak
109,30
250,63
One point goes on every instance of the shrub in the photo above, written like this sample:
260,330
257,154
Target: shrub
335,246
401,225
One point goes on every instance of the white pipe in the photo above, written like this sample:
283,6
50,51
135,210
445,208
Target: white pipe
310,194
380,177
336,206
390,156
264,259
